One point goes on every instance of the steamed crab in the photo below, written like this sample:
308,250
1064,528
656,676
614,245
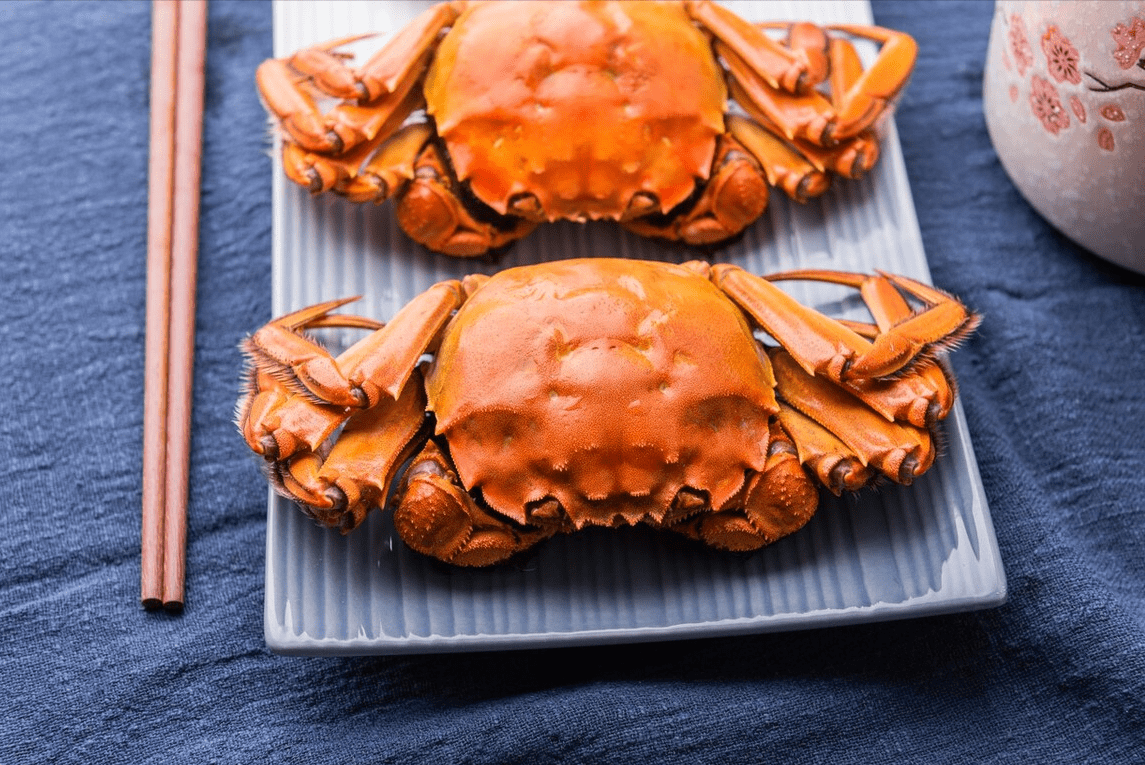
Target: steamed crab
591,110
601,392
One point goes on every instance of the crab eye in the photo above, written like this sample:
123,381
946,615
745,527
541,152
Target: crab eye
526,205
642,203
548,509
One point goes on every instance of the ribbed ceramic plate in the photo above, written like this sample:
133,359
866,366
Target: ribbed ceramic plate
892,553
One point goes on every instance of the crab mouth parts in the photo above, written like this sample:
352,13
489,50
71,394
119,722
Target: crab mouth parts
658,219
642,205
525,205
481,212
619,510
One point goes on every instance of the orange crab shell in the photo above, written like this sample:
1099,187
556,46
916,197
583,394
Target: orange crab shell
581,105
598,380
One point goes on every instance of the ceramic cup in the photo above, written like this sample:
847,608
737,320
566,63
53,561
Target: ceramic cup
1064,99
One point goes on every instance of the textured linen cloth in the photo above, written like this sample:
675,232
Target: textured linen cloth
1052,388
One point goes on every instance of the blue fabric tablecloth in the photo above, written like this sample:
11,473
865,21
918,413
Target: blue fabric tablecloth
1052,388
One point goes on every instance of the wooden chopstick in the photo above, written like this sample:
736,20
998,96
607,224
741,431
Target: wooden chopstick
160,181
192,54
176,223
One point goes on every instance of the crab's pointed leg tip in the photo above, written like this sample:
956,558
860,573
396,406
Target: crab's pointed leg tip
269,448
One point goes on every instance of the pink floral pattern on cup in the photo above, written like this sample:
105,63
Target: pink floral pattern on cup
1062,62
1113,113
1130,41
1105,138
1020,44
1062,58
1047,105
1078,108
1063,98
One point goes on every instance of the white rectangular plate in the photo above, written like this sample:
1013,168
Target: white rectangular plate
892,553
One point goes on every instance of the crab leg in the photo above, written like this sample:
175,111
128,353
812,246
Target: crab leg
436,516
901,452
926,395
828,348
345,127
384,72
813,43
383,361
869,95
887,305
775,502
429,210
390,168
807,116
807,121
940,326
733,198
823,346
381,85
379,363
365,123
295,109
299,395
858,98
357,473
322,172
846,68
306,366
785,168
921,398
852,158
337,490
820,451
779,66
277,422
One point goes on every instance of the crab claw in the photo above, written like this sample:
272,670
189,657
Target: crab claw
304,365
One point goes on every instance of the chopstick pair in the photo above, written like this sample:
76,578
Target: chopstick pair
178,53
